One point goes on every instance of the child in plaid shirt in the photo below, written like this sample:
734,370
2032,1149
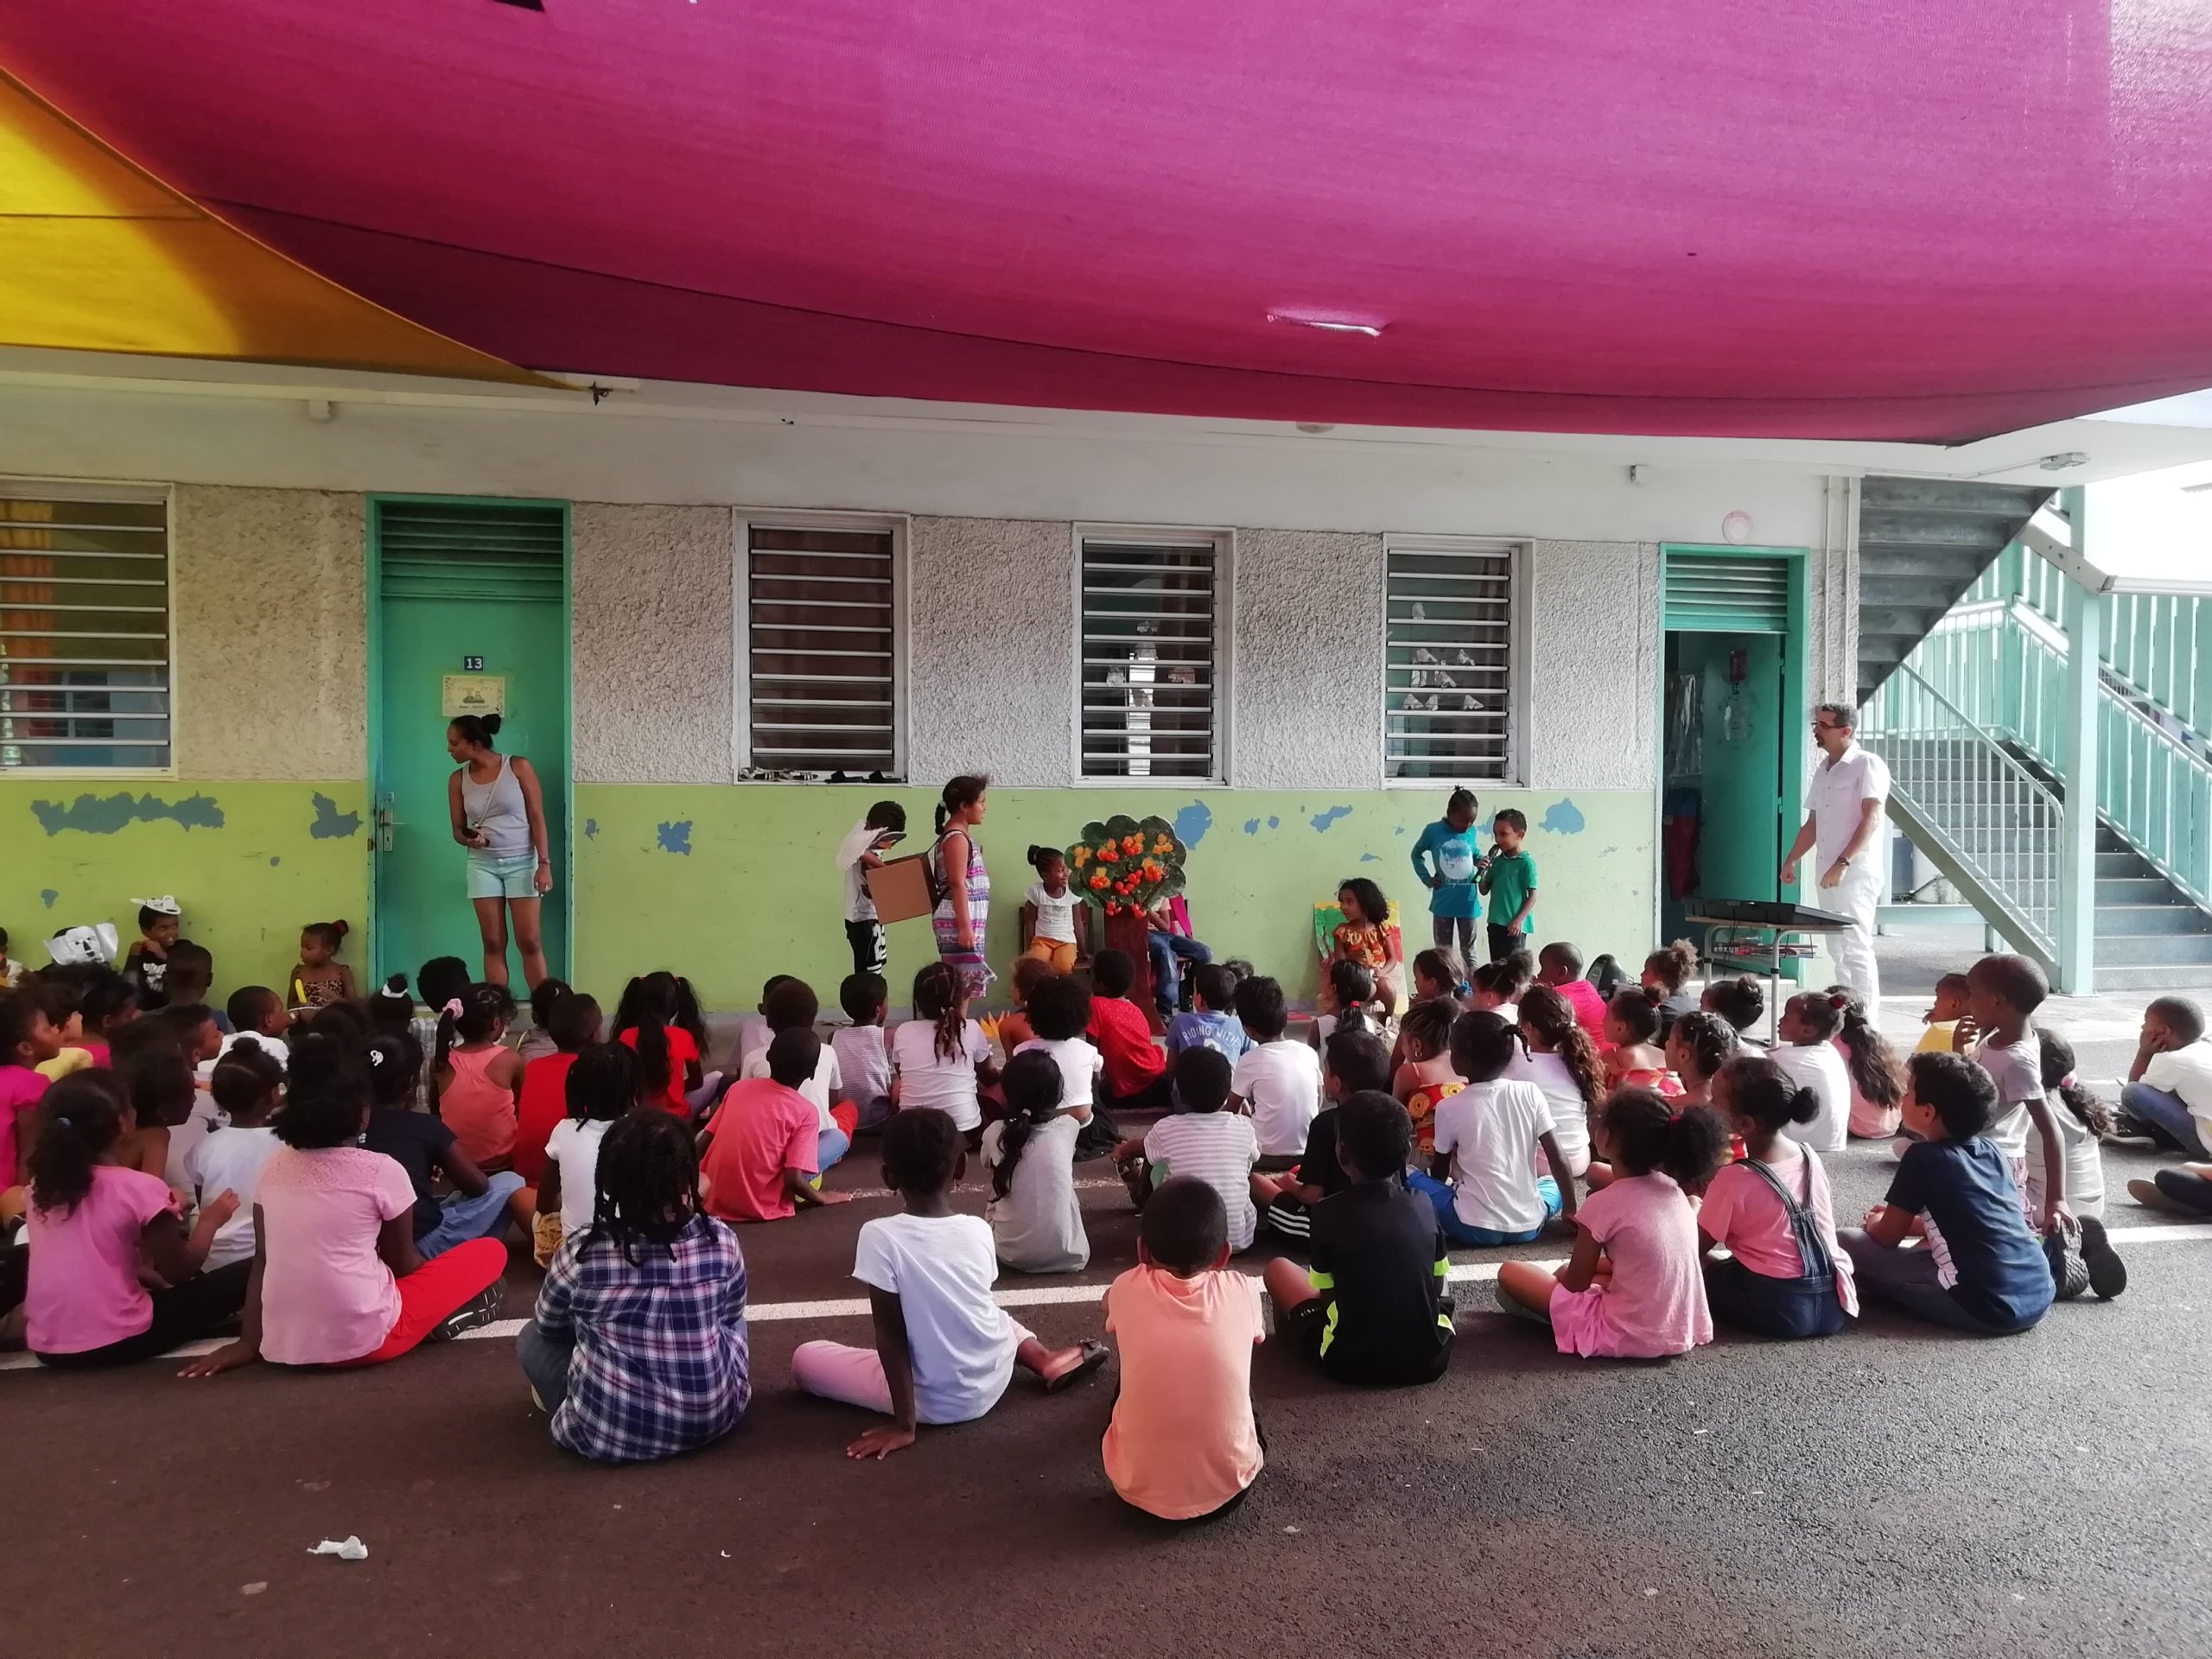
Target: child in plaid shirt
638,1348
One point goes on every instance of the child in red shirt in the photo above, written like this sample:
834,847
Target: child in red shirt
573,1024
759,1159
1136,1069
1560,966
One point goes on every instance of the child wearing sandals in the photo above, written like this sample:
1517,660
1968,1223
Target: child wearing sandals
1786,1275
1633,1288
944,1351
336,1279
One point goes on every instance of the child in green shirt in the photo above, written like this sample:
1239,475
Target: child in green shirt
1509,878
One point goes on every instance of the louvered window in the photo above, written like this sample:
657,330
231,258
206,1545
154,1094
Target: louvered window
511,551
1151,647
1448,681
84,628
823,659
1727,593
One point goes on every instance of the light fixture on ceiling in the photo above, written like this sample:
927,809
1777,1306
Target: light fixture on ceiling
1315,429
1330,325
2060,462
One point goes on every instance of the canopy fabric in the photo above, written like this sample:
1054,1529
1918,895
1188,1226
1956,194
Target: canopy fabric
96,255
1866,219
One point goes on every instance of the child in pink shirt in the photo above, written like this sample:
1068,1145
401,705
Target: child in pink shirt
27,1040
1184,1444
91,1218
1560,966
336,1277
1648,1300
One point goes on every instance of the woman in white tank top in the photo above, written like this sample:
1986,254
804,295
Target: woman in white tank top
500,815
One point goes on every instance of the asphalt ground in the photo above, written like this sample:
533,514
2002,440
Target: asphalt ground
1895,1489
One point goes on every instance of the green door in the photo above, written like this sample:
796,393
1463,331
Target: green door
476,589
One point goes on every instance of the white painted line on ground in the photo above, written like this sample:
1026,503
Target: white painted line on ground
855,1307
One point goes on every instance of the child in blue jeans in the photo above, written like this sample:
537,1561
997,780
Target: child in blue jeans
1487,1139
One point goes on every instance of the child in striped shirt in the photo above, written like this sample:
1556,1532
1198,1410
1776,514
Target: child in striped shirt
1202,1140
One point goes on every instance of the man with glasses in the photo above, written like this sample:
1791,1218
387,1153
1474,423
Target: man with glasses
1843,830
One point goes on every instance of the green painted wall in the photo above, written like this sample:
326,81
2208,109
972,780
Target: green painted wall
730,885
250,862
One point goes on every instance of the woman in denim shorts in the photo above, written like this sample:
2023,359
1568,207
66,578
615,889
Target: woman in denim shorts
500,815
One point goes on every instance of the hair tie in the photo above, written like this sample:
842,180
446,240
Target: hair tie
393,993
376,1058
1839,1003
452,1006
2067,1082
65,1122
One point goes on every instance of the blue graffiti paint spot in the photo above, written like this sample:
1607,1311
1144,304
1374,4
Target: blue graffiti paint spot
591,829
331,824
104,815
675,837
1322,820
1274,823
1192,822
1562,818
1251,826
1368,858
48,898
274,860
1399,830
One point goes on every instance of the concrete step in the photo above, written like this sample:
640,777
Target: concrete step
2151,948
2154,978
2122,863
2139,890
2142,921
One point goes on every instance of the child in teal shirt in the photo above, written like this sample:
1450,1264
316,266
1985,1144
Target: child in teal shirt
1444,859
1508,877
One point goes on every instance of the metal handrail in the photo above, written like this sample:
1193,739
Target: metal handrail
1995,743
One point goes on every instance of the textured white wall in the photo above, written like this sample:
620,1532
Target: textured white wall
1307,651
271,672
991,650
653,646
1591,675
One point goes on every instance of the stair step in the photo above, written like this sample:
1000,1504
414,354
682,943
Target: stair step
2121,865
2138,949
1880,493
2154,977
2144,921
2139,890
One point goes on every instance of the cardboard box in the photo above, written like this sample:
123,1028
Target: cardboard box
900,887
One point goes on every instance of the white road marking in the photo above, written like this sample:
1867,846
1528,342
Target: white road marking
856,1308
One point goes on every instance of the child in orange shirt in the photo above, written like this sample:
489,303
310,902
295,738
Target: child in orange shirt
1184,1444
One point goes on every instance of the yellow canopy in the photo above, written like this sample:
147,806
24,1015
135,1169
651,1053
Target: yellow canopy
98,255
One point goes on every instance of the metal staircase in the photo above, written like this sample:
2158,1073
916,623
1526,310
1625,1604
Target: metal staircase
1922,541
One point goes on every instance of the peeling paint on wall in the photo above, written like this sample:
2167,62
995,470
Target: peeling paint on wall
675,837
331,824
1251,826
1274,823
48,897
591,829
275,859
104,815
1562,818
1192,822
1322,820
1368,858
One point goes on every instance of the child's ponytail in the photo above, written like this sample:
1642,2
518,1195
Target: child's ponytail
80,1119
449,1020
1547,1013
1875,1071
937,999
2058,1079
1444,967
1353,984
1762,1092
1033,1084
1040,858
688,1017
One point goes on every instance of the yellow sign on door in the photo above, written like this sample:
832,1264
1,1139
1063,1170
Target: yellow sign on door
475,694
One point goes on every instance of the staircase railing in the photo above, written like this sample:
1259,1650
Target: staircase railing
2003,664
1960,786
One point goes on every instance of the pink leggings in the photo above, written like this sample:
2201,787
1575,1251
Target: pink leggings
436,1290
853,1377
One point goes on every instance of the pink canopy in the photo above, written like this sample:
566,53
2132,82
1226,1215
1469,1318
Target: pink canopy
1892,219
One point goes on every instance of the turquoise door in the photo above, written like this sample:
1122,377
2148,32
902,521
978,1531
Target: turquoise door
476,589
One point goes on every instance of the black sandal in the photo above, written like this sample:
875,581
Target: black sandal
1094,1355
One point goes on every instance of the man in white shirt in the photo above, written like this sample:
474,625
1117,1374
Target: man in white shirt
1843,829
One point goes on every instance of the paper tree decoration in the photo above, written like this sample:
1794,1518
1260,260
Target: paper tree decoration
1125,866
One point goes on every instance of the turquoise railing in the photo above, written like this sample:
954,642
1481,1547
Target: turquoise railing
2001,661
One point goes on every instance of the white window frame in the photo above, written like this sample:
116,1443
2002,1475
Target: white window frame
1224,649
743,521
130,491
1518,551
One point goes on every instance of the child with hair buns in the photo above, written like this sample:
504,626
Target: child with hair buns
1634,1058
319,979
1808,1020
1786,1275
1669,971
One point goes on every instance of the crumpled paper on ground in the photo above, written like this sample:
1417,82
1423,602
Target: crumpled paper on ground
353,1549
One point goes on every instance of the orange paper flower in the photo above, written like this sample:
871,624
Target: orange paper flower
1133,844
1082,856
1099,882
1163,845
1107,854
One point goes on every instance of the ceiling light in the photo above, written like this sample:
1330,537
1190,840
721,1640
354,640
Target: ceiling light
2059,463
1332,325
